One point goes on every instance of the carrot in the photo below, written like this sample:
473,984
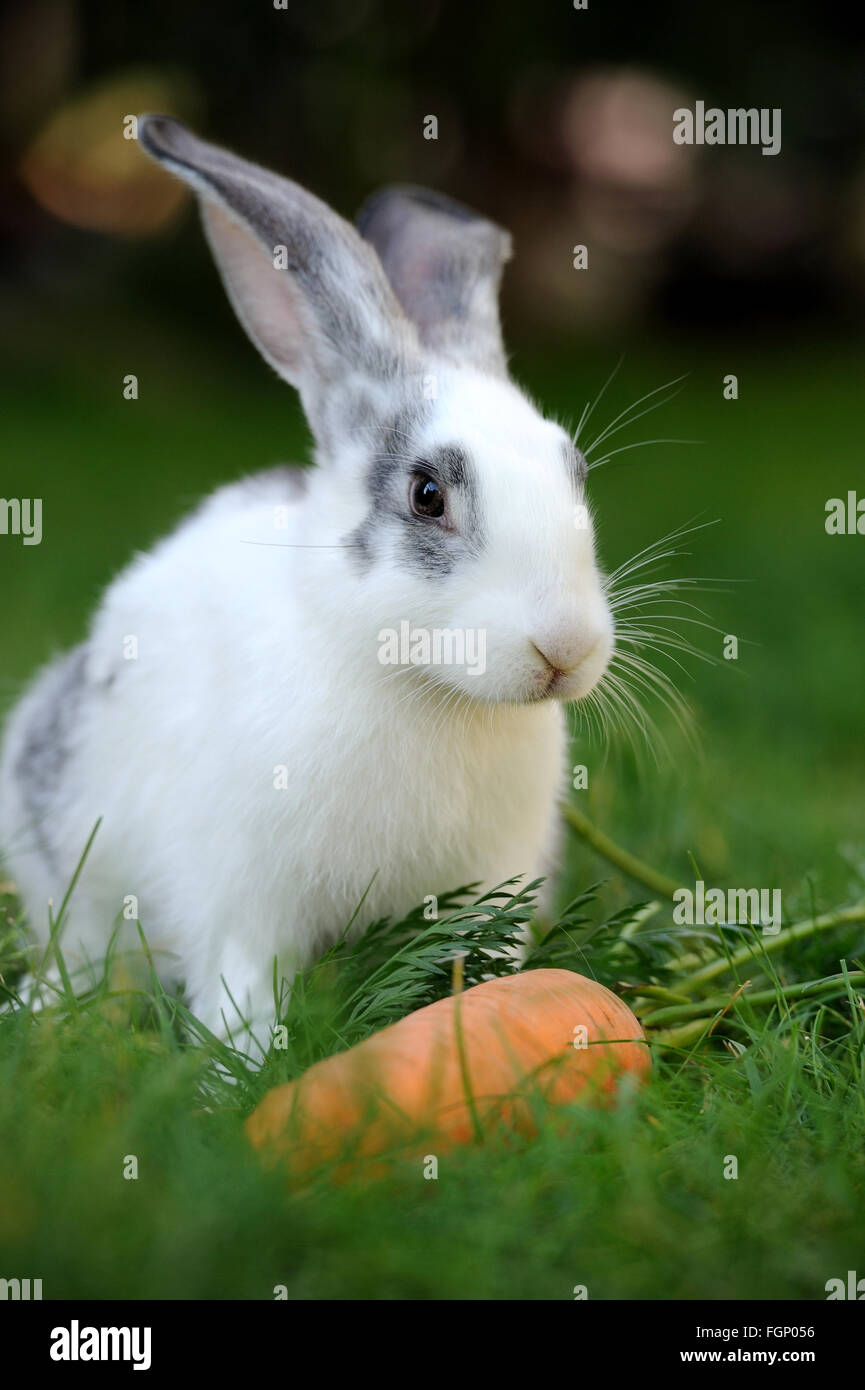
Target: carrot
452,1070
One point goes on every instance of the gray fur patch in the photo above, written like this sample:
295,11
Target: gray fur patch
424,548
48,742
575,464
399,451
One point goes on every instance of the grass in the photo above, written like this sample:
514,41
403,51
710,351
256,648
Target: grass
632,1203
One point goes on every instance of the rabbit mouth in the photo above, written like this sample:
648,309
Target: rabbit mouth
573,682
556,688
557,680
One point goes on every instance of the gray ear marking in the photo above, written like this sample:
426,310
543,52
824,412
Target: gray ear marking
445,265
326,310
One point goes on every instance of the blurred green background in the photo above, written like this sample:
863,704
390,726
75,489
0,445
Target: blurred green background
558,123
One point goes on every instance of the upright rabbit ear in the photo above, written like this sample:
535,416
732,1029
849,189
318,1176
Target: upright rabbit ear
309,291
445,264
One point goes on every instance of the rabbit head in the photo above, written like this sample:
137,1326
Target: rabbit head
458,509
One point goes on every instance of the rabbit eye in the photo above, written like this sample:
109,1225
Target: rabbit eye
426,498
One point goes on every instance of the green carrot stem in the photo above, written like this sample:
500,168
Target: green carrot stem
812,988
628,863
667,996
683,1035
768,945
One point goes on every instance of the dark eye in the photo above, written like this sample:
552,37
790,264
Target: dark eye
426,498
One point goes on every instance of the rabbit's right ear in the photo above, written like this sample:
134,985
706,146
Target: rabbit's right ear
445,264
310,292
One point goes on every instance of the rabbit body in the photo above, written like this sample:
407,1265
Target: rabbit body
256,768
249,797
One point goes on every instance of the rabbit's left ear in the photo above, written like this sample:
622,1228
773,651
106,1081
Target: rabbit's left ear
445,265
310,292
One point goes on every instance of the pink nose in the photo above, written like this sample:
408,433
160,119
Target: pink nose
565,654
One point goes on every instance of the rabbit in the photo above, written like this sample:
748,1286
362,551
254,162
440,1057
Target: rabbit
264,738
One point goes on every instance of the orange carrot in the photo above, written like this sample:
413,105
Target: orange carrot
453,1069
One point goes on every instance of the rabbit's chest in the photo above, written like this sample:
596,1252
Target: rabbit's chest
401,821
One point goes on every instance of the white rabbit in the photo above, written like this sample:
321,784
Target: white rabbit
255,764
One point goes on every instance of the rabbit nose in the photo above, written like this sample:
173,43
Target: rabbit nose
565,654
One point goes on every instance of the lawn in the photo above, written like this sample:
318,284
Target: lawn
632,1202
